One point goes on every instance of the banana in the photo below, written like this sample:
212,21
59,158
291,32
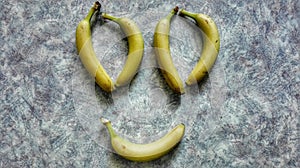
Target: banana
87,54
135,48
163,54
210,49
144,152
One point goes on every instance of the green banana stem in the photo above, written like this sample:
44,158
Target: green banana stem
186,13
109,17
107,123
96,7
173,12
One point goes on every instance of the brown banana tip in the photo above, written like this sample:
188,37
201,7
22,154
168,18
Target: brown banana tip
176,9
97,5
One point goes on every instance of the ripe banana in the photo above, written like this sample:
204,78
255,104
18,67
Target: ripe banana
87,53
135,48
144,152
163,54
210,49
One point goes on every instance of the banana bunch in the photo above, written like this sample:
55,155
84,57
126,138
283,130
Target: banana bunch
88,56
144,152
210,50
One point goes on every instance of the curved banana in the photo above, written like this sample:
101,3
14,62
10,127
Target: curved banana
163,54
135,48
144,152
87,53
210,49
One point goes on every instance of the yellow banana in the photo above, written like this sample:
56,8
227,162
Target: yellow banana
87,53
163,54
144,152
135,48
210,49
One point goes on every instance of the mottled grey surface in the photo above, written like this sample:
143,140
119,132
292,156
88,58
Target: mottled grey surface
246,114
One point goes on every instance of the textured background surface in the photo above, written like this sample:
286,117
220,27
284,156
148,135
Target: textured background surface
246,114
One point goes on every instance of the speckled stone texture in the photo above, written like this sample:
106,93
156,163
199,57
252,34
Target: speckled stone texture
245,114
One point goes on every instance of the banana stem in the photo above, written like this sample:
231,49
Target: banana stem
186,13
173,12
107,123
96,7
109,17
